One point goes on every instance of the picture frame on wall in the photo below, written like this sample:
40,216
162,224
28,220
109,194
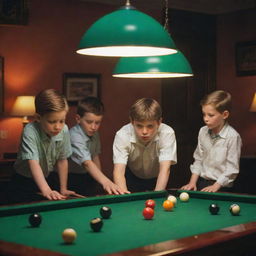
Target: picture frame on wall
77,86
1,84
246,58
14,12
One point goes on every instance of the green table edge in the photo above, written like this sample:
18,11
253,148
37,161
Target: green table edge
55,205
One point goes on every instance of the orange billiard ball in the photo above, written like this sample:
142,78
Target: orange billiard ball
168,205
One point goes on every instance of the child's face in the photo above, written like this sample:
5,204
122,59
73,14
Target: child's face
89,122
146,130
52,123
213,118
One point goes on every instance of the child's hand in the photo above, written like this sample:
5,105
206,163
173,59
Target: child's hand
70,193
189,186
112,188
213,188
53,195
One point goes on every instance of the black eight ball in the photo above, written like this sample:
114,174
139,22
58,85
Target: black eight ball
35,219
105,212
214,209
96,224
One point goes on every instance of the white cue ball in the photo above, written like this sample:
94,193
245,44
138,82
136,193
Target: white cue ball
172,199
69,235
184,196
234,209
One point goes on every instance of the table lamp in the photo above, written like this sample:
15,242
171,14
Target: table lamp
253,105
24,106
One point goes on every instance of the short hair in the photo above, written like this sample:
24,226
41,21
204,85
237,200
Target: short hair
220,100
50,100
90,105
145,109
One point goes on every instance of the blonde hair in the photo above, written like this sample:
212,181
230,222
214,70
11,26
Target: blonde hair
145,109
50,100
220,100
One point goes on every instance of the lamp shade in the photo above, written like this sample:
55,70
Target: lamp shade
24,106
168,66
126,32
253,105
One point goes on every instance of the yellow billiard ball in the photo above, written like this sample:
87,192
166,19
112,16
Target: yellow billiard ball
172,199
234,209
184,196
69,235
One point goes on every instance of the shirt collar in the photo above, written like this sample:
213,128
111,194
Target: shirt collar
85,135
45,137
222,134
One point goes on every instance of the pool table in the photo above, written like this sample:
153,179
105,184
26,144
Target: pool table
189,229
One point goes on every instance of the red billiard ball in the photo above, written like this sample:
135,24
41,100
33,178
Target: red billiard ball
148,213
150,203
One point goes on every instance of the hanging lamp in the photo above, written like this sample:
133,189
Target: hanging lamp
126,32
168,66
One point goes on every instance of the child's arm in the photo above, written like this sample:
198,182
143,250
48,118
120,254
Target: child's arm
213,188
192,183
62,167
39,178
93,167
119,176
163,176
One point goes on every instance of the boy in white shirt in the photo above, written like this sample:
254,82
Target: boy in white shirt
217,155
144,149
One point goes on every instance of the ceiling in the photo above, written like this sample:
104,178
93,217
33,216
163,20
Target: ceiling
202,6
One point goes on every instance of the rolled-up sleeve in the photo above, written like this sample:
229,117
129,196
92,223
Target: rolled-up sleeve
120,149
168,147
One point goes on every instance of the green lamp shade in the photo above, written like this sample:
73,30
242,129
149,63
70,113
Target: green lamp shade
126,32
174,65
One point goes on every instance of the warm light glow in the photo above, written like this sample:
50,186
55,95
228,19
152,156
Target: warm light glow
24,106
152,75
253,105
126,51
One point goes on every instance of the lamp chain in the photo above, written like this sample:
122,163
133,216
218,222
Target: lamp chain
166,24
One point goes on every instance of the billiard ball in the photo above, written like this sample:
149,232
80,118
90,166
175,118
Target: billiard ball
35,219
168,205
148,213
150,203
96,224
234,209
69,235
105,212
214,209
184,196
172,199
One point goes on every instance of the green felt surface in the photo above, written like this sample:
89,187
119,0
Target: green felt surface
126,229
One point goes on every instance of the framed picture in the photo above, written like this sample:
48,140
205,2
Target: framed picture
1,84
77,86
246,58
14,12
